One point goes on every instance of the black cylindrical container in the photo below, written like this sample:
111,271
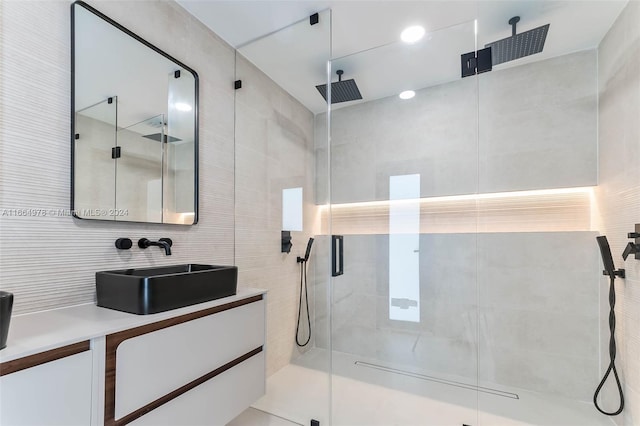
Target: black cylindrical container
6,304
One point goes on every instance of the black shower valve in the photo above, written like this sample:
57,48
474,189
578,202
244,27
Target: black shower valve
286,242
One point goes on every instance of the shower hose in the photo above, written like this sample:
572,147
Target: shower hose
303,285
612,354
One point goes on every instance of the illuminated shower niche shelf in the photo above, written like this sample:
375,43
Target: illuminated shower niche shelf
549,210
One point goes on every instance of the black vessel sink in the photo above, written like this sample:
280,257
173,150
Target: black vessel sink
152,290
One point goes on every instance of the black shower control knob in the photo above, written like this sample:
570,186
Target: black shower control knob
633,235
124,243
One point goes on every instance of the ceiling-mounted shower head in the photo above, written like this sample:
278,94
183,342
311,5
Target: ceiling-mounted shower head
518,45
341,91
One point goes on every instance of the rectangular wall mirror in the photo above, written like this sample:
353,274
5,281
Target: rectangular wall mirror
134,126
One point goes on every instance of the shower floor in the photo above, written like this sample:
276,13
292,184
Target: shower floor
379,397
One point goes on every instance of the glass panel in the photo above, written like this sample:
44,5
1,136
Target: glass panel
403,184
139,171
94,176
538,265
276,136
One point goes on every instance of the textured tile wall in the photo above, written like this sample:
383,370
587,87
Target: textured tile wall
274,151
49,261
531,211
618,196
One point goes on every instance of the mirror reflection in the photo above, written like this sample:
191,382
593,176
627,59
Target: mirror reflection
135,127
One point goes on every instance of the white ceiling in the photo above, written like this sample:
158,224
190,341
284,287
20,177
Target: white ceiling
295,57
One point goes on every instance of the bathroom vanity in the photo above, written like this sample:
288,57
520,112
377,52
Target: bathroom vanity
202,364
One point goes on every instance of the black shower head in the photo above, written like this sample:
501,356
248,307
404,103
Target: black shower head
518,45
605,252
341,91
158,136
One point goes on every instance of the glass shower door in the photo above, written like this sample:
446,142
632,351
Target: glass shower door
403,176
543,336
277,197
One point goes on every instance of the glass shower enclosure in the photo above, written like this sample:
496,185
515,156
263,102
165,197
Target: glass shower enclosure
445,212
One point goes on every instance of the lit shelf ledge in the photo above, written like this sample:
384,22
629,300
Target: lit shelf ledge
548,210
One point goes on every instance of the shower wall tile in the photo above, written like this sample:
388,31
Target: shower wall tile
274,151
538,125
512,262
632,406
539,302
434,134
550,374
538,310
62,254
618,197
536,129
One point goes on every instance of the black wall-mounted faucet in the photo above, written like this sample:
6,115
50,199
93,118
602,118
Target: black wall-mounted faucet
634,247
631,248
164,243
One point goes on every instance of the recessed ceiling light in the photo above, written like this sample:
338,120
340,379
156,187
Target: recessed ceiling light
407,94
181,106
412,34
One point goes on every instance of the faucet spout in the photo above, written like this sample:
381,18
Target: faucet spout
631,248
164,243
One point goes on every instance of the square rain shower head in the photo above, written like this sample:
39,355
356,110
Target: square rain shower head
519,45
341,91
157,136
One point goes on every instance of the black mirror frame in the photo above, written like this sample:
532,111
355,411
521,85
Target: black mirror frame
73,112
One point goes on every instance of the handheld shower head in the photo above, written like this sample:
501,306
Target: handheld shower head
607,259
307,252
605,252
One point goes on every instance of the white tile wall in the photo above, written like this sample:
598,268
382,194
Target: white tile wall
618,195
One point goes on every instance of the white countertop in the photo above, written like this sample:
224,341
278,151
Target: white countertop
41,331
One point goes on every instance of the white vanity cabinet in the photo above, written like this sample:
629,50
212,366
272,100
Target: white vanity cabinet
45,390
199,365
198,368
215,402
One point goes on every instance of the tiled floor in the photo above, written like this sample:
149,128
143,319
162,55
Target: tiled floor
254,417
372,397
